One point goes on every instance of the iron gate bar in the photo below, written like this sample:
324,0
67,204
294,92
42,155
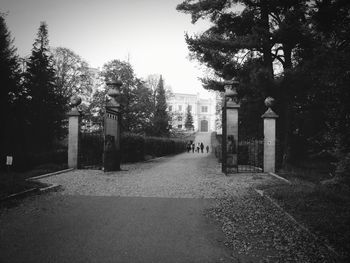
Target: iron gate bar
224,140
91,149
250,155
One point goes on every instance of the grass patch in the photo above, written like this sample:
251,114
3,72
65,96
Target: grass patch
324,209
309,175
14,182
311,171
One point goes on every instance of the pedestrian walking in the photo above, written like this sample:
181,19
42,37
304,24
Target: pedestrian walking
192,146
188,147
202,147
207,148
198,147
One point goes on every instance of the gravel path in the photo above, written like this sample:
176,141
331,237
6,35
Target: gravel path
188,175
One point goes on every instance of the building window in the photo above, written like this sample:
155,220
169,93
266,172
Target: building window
170,108
179,118
180,107
179,126
204,108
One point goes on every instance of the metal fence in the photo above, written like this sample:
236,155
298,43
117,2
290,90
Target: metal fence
250,155
91,149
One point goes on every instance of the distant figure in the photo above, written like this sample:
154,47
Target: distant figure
202,147
207,148
198,147
188,147
192,146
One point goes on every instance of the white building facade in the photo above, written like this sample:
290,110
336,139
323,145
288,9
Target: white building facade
202,110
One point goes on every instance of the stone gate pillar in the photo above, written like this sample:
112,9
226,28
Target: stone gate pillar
111,153
230,128
269,137
74,119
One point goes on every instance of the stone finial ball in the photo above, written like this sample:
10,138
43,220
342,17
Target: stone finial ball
117,83
75,100
269,102
113,93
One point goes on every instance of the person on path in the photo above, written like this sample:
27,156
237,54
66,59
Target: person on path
207,148
198,147
202,147
192,146
188,147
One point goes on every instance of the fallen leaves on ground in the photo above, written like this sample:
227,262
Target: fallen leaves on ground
255,228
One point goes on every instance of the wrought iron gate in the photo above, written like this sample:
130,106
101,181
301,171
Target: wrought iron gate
250,138
91,148
250,155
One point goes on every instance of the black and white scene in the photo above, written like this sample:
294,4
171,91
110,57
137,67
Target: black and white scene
175,131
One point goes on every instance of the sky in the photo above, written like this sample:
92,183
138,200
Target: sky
150,33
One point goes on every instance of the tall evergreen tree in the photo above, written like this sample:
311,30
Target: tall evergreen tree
250,36
161,117
9,90
47,104
189,119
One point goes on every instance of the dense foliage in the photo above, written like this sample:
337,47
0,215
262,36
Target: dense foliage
73,75
35,95
10,96
143,106
296,51
47,103
32,107
136,147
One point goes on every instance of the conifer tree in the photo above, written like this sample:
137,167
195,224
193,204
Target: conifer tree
9,89
189,119
161,117
47,104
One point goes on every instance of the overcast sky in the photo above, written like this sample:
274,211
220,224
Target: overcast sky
149,32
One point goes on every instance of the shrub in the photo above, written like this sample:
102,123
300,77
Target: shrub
343,167
91,148
26,161
134,147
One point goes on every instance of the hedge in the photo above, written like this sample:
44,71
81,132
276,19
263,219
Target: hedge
132,147
135,147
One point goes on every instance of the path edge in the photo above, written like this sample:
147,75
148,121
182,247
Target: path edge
291,218
49,174
280,177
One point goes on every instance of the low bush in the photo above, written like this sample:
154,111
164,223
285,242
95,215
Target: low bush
91,148
134,147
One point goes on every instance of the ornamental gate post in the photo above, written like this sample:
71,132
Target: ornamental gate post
230,128
74,121
112,118
269,136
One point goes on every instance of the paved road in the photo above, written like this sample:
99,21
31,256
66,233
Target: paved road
111,229
150,212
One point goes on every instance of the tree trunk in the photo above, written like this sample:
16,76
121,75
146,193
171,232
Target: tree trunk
266,37
287,109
